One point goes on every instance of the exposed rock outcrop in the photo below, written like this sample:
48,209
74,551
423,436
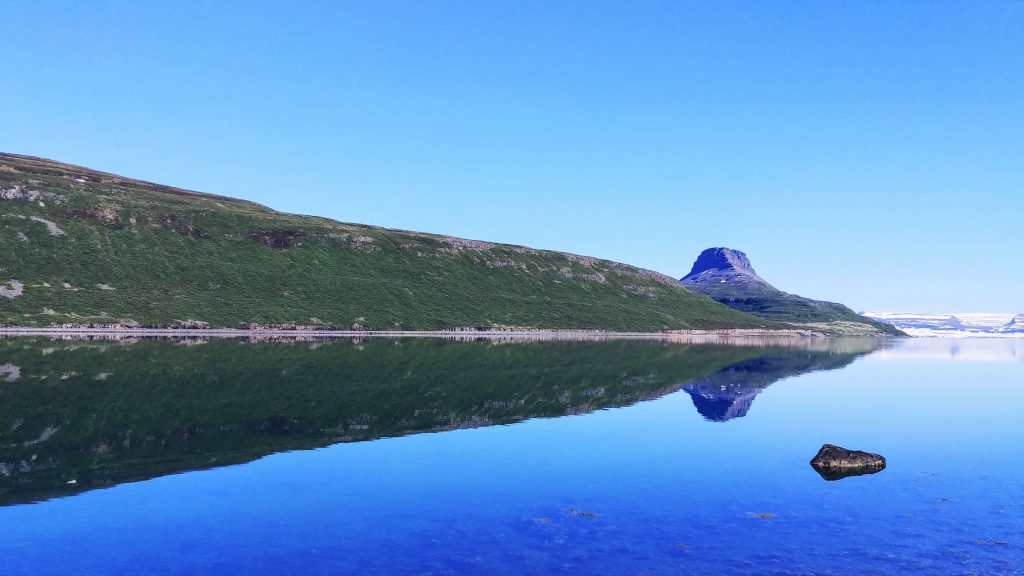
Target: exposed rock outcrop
51,226
12,289
22,193
9,372
835,462
277,238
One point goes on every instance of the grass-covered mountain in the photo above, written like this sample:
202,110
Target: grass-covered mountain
727,276
84,247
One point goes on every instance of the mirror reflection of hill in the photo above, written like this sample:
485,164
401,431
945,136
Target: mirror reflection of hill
77,415
729,392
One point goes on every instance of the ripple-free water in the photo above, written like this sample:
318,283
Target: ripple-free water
615,458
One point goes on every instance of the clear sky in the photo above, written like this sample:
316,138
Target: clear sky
865,152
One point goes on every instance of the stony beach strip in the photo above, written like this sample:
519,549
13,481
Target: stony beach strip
737,336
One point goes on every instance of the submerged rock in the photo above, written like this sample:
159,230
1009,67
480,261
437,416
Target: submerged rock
835,462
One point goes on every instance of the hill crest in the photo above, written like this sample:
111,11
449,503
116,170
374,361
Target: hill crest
86,248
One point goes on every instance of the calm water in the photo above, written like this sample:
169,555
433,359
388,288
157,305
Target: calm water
442,457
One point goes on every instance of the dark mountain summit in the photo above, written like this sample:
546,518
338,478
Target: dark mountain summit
721,259
723,265
728,276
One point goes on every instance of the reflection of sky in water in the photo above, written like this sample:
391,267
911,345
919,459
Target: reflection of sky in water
494,500
965,349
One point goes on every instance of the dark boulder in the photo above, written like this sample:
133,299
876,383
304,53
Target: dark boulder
835,462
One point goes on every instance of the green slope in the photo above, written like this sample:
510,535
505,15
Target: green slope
84,247
784,307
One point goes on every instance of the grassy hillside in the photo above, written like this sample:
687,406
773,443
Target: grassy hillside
84,247
781,306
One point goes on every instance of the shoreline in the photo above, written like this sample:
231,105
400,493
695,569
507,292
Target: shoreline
466,333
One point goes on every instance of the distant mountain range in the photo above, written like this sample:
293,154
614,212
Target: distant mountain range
727,276
956,325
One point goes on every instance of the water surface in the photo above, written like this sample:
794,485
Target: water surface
426,456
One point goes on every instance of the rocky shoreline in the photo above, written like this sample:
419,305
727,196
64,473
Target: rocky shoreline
302,331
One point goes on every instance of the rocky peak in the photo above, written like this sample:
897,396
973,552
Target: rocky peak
721,259
717,265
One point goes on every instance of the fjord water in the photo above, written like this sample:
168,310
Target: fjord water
592,457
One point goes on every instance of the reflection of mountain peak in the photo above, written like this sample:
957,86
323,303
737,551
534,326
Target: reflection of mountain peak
729,393
169,408
723,405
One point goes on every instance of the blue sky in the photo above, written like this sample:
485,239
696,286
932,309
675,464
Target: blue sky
866,152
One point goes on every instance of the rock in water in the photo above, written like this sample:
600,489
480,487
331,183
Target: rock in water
835,462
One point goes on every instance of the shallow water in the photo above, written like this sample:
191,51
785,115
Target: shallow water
617,457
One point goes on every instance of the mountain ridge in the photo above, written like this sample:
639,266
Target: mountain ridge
728,276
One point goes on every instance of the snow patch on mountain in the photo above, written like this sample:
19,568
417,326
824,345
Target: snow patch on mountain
952,349
954,325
